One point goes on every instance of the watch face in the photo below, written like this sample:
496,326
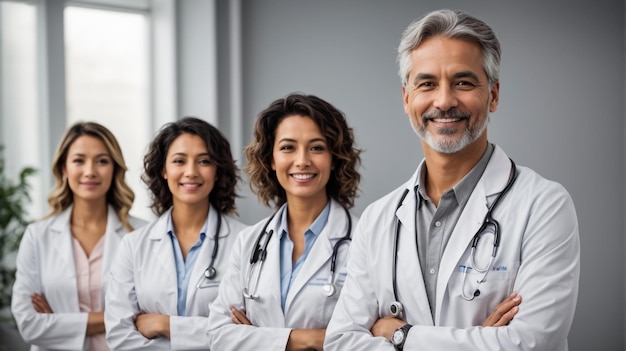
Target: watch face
397,337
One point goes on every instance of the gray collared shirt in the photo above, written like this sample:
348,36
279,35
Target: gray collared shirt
434,224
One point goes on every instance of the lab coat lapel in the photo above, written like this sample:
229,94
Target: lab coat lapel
321,252
492,182
113,236
269,283
204,256
62,245
162,244
408,271
63,238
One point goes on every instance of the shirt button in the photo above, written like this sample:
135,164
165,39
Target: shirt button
432,271
437,224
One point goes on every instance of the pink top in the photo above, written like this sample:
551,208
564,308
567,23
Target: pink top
89,283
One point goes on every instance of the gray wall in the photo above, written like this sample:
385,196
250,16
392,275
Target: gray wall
561,108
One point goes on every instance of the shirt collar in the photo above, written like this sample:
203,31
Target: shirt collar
316,227
170,227
464,188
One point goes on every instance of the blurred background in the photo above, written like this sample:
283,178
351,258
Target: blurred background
134,65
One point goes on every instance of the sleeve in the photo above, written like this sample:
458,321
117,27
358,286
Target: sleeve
222,332
188,333
547,280
58,330
357,308
122,306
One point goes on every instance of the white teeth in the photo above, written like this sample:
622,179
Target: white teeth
186,185
303,176
446,120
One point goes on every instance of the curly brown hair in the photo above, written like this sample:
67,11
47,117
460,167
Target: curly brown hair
119,195
344,180
223,195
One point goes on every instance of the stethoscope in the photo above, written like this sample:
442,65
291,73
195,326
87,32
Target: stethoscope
259,253
210,272
396,308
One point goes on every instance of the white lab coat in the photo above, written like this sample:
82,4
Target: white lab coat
305,307
45,265
144,280
538,258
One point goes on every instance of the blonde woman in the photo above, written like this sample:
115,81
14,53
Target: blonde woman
64,259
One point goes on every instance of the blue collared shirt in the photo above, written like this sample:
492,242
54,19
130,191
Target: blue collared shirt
184,268
289,272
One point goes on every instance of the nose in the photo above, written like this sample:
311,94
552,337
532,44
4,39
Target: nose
303,158
191,169
90,168
445,98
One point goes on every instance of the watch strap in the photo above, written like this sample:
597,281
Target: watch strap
405,332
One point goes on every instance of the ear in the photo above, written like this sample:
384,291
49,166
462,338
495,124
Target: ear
405,100
273,165
163,174
495,95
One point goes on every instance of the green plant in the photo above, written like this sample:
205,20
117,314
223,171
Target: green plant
13,221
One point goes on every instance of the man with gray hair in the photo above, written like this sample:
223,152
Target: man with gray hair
430,260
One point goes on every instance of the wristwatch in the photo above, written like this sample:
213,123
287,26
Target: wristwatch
399,336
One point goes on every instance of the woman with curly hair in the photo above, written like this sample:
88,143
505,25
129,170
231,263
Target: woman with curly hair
167,273
286,271
63,261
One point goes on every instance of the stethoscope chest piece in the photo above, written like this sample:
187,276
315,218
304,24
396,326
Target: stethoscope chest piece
397,309
210,273
329,289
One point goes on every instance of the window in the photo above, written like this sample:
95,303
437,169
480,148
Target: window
19,96
107,81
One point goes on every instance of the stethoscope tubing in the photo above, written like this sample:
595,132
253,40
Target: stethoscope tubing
210,272
396,307
259,253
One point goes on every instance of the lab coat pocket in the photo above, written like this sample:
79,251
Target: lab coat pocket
493,284
328,292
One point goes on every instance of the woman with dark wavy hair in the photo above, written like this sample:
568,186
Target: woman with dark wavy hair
286,271
167,273
63,261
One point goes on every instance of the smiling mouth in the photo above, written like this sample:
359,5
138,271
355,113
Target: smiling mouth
304,176
452,115
446,119
190,185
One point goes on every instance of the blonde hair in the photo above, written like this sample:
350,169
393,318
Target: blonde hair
119,195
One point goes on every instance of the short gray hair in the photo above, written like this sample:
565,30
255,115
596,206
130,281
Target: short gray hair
454,25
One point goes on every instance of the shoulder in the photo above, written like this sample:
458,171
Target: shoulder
387,203
45,226
145,231
137,222
250,232
41,225
532,185
234,225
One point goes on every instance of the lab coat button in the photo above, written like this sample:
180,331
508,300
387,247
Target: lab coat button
437,224
432,271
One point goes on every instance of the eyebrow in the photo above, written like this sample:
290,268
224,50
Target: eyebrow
185,154
462,74
314,140
466,74
78,154
423,76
